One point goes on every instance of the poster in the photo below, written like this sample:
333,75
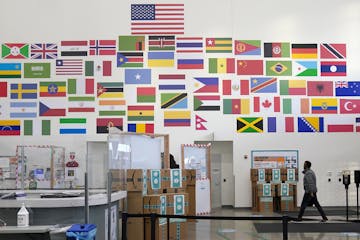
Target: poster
275,159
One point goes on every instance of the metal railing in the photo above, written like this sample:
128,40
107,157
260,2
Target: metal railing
153,216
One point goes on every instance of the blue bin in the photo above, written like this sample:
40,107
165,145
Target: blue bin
81,232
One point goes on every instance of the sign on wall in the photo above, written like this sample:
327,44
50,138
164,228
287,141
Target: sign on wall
275,159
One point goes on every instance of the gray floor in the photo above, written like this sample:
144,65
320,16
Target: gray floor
245,230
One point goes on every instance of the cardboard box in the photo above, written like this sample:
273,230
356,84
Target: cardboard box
136,180
190,177
134,202
135,228
266,204
191,189
175,190
156,181
287,204
118,179
289,174
178,178
285,189
265,189
258,174
254,196
178,230
177,204
160,229
156,203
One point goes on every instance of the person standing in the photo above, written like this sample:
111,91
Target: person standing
310,197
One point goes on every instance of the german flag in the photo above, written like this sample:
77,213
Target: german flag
304,51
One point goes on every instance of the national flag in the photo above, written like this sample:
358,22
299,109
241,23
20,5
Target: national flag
263,85
347,88
146,94
23,91
267,104
141,127
102,47
15,50
160,59
310,124
152,19
249,124
112,107
349,106
333,50
140,113
295,105
235,87
81,86
3,89
10,70
247,47
304,51
324,106
72,125
23,109
43,51
320,88
131,43
357,125
137,76
98,68
236,106
172,82
130,59
177,118
110,89
10,127
280,124
277,49
206,103
74,48
278,68
53,108
161,43
292,87
37,70
218,45
174,100
333,68
336,124
69,67
53,89
221,65
199,123
103,124
305,68
81,104
188,63
189,45
206,85
249,67
37,127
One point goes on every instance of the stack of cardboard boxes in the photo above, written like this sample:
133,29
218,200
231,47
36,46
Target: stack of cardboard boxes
161,191
274,189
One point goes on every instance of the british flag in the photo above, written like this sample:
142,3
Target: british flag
44,51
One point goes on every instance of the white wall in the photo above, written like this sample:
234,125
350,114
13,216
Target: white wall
279,20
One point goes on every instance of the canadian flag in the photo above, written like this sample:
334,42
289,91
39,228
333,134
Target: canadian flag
267,104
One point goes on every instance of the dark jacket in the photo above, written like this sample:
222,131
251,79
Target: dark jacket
309,181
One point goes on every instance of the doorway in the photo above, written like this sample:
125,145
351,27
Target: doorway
222,178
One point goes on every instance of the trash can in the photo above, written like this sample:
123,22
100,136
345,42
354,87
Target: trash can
81,232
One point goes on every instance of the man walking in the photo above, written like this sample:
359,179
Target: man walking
310,192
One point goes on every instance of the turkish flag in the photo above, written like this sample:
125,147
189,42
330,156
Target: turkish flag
349,106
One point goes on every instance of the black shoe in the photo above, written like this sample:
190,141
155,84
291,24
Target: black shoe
324,220
299,219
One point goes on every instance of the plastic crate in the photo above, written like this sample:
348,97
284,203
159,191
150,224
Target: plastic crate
81,232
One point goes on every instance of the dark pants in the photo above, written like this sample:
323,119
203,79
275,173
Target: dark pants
309,200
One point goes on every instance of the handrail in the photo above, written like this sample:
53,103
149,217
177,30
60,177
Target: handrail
153,216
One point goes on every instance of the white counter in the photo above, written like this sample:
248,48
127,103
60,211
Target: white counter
33,200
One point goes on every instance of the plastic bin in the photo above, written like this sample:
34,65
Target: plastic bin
81,232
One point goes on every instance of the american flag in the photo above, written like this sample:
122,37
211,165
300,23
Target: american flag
69,67
157,19
44,51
